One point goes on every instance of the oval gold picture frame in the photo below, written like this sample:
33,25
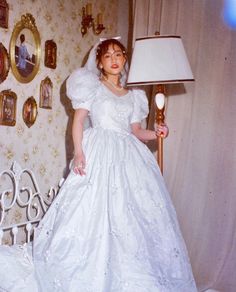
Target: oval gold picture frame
25,49
30,111
4,63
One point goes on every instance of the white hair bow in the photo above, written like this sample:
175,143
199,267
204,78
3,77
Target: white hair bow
114,38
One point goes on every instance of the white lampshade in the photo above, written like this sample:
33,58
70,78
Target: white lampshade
158,60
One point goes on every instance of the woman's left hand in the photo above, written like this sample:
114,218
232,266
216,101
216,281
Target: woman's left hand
161,130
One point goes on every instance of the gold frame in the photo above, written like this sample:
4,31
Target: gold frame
4,63
8,118
27,22
30,111
50,58
46,86
4,8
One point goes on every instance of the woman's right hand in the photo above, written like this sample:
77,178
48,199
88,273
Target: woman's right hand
79,164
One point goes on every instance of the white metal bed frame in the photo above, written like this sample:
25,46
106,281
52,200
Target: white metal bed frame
24,195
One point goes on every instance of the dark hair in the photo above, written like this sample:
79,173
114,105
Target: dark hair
104,46
22,38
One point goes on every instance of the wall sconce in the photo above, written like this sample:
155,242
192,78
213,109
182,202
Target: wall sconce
88,21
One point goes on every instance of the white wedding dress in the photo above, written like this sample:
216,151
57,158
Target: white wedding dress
115,228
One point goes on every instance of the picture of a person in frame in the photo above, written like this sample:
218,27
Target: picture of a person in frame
28,112
8,109
24,58
50,54
46,97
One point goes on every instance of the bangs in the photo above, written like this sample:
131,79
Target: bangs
104,47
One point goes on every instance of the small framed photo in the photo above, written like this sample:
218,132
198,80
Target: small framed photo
8,108
50,59
30,111
4,63
4,11
46,87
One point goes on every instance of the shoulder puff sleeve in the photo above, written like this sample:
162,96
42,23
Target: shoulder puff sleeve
81,87
140,102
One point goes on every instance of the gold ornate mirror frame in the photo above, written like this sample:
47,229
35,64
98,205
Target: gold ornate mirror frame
30,111
25,49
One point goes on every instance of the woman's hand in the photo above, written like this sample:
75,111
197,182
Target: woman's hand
79,164
161,130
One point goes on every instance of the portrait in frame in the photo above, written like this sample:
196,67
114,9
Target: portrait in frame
50,59
25,49
30,111
4,13
4,63
8,100
46,87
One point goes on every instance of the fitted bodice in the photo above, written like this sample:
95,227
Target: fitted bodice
109,111
106,109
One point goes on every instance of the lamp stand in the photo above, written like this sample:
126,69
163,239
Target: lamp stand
160,119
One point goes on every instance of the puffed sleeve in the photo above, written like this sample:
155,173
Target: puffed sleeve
140,102
81,88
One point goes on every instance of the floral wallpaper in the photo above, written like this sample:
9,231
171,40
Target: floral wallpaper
46,147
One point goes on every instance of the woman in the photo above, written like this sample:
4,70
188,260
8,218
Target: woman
112,227
111,58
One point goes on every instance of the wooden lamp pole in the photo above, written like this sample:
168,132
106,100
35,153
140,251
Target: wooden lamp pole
160,119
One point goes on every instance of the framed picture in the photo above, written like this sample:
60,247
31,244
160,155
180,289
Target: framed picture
4,11
4,63
30,111
8,108
50,59
25,49
46,93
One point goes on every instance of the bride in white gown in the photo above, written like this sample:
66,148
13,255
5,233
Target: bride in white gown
112,227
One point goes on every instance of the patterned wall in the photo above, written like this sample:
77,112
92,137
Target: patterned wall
46,146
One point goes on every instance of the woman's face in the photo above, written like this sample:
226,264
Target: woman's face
113,61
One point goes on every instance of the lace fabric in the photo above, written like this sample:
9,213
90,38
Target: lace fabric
114,229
